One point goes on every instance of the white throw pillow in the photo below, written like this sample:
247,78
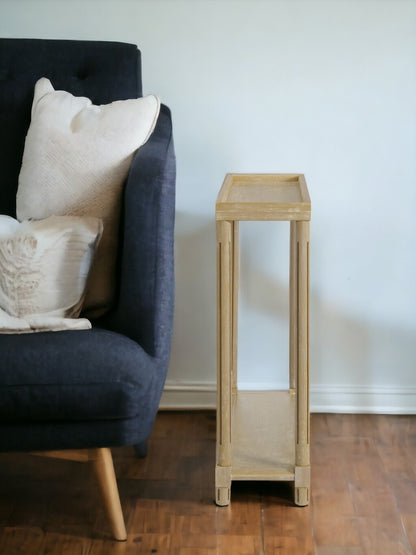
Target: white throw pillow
44,265
35,323
76,159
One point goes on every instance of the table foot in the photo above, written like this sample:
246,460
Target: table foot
302,485
222,485
222,498
301,497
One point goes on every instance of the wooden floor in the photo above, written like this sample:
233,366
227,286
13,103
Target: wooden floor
363,496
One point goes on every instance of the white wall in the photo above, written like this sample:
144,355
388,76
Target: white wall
326,88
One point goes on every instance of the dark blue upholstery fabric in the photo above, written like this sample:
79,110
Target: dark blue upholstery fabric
79,375
35,436
145,307
99,387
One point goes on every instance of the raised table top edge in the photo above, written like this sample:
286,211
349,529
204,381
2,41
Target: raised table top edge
283,210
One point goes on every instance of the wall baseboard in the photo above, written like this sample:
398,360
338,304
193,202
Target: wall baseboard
363,399
329,399
191,396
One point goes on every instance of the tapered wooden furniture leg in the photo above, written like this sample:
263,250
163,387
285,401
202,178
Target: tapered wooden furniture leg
302,468
225,268
104,468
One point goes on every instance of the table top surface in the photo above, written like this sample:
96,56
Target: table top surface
263,197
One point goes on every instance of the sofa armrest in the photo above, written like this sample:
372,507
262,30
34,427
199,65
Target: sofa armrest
144,311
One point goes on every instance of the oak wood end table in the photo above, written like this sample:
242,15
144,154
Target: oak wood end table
262,435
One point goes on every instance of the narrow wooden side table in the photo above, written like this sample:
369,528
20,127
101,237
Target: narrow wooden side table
262,435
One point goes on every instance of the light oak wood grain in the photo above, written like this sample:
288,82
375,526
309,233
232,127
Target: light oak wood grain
262,443
225,328
103,465
246,197
263,435
235,291
102,462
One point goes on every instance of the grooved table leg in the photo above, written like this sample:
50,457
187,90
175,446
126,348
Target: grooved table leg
235,287
302,364
293,311
225,272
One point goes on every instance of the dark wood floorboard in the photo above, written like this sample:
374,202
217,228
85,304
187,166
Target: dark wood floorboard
363,496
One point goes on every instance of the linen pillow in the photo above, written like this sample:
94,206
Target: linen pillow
76,159
44,265
35,323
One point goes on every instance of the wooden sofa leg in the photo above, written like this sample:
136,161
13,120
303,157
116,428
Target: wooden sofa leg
104,468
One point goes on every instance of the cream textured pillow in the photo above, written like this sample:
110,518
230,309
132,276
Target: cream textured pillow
76,159
35,323
44,266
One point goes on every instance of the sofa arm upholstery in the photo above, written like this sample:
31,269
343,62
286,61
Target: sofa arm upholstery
144,311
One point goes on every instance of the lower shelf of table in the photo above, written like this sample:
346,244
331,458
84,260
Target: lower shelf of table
263,435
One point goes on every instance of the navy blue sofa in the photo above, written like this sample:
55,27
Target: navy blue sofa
100,387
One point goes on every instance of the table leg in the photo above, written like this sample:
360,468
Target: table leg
225,271
301,263
235,287
293,310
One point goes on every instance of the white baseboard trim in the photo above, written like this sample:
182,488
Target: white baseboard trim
191,396
328,399
363,399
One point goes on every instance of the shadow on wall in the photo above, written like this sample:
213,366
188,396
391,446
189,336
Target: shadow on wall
194,336
349,351
263,342
345,350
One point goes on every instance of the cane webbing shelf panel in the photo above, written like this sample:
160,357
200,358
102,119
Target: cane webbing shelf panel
262,435
261,451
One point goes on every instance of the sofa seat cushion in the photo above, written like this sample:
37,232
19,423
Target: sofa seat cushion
73,376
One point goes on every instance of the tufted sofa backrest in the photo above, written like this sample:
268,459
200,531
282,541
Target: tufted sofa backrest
102,71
